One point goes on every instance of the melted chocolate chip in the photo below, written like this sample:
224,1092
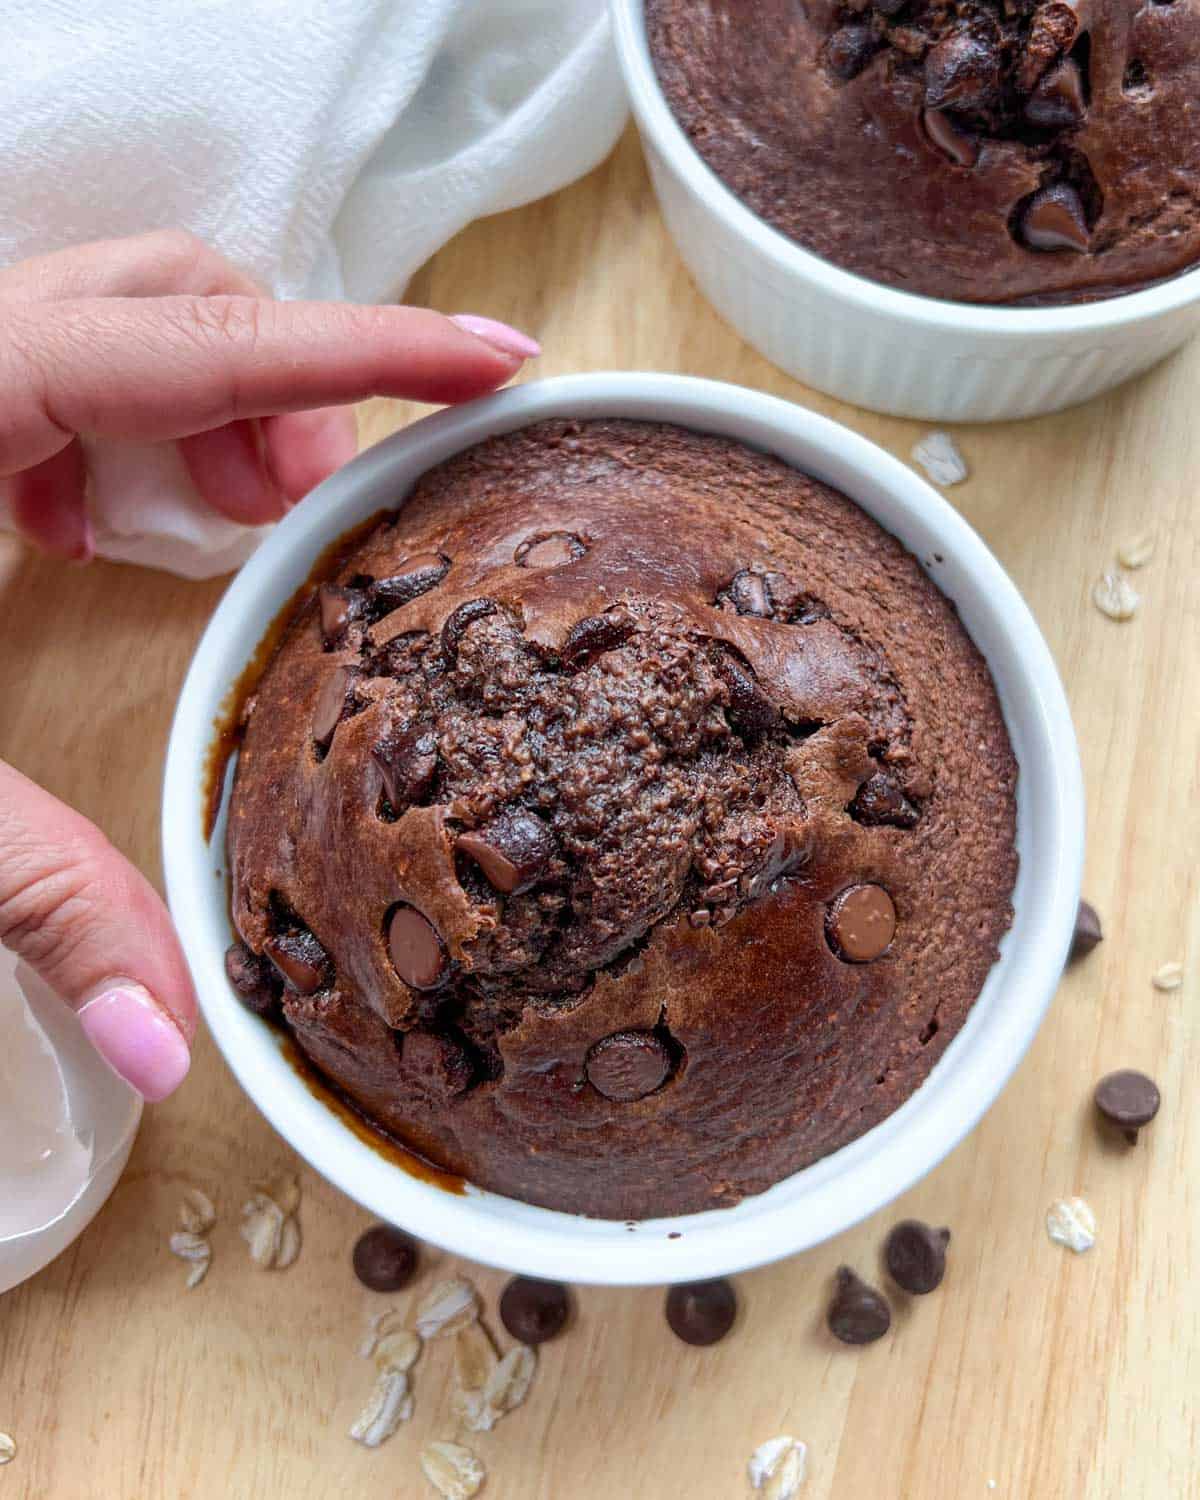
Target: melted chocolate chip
1054,219
338,608
417,952
962,72
1088,932
1057,102
916,1256
959,145
385,1259
749,594
407,764
534,1311
861,924
554,550
627,1065
301,960
849,50
458,622
881,801
1128,1100
750,713
701,1312
440,1066
513,850
416,576
593,636
858,1313
334,699
256,981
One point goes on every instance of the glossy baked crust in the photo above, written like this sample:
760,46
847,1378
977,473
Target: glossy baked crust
766,703
935,146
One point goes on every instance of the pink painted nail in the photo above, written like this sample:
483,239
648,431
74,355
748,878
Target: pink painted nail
499,335
139,1042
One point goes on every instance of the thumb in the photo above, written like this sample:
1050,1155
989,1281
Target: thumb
97,933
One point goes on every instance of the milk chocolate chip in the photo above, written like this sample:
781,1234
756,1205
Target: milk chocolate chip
750,713
916,1256
534,1311
513,850
407,764
1088,932
338,608
416,576
1057,102
301,960
1054,219
627,1065
749,594
595,635
459,622
1128,1100
417,952
701,1312
332,703
256,981
881,801
858,1313
861,923
962,72
959,145
554,550
385,1259
849,50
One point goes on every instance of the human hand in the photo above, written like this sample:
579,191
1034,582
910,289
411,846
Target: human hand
159,339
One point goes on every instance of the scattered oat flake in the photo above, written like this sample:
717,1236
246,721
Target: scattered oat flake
8,1449
1168,977
397,1351
1114,596
196,1213
778,1466
508,1384
1070,1222
195,1249
389,1404
475,1357
938,455
289,1244
283,1191
379,1325
262,1230
1137,551
453,1471
451,1305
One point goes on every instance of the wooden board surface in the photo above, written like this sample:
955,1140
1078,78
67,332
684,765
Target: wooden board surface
1048,1373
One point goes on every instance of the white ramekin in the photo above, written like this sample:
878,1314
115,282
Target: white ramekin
870,344
827,1197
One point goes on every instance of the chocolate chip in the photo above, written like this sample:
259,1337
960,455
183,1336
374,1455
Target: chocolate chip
416,576
301,960
861,924
534,1311
385,1259
554,550
334,699
881,801
1128,1100
916,1256
1087,932
339,608
417,952
750,713
256,981
1054,219
459,621
847,52
749,594
627,1065
960,146
858,1313
1052,31
701,1312
962,72
407,764
593,636
438,1065
1057,102
513,850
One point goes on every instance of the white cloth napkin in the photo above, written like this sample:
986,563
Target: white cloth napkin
327,147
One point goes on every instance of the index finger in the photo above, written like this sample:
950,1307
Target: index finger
150,370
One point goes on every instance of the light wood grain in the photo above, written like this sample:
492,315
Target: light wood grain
1054,1375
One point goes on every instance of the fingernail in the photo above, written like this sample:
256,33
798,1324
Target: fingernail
136,1039
499,335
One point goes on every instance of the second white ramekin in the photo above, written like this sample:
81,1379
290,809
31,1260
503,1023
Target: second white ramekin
832,1194
868,343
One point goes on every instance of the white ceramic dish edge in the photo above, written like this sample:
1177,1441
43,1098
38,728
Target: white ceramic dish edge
833,1194
873,345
